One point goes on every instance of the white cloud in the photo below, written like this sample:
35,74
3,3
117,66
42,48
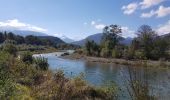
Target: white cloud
126,32
132,7
16,24
58,35
148,3
164,29
129,9
160,12
99,26
148,15
163,11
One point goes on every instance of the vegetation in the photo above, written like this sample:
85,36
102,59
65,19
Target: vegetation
35,41
137,85
147,45
24,77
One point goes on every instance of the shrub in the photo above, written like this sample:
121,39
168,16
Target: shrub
10,48
6,82
27,57
116,53
140,55
105,52
41,63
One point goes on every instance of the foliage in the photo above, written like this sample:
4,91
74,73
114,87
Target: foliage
10,48
62,88
146,37
160,49
92,49
36,41
41,63
147,45
111,35
110,40
7,86
151,45
27,57
138,85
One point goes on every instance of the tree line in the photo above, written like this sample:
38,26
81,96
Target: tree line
17,39
147,45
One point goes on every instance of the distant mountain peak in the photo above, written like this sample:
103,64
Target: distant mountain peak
24,32
66,39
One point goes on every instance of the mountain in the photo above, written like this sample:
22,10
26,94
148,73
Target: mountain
127,41
97,38
66,39
53,39
40,35
166,37
25,33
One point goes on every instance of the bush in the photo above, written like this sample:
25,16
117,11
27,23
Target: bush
116,53
6,82
10,48
41,63
140,55
128,54
27,57
105,52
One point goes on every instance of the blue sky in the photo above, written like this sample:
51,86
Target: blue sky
77,19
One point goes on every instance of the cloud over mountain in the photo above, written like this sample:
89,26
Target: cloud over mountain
15,24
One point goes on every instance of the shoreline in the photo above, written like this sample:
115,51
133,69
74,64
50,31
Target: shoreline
147,63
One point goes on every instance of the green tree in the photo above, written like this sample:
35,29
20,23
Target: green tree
20,39
132,49
88,46
2,38
92,49
10,36
160,48
33,40
111,38
146,38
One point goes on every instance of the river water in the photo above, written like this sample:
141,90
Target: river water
98,74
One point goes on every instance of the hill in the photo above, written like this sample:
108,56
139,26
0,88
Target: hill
53,39
97,38
66,39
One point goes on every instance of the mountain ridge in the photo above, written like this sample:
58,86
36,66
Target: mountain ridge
97,38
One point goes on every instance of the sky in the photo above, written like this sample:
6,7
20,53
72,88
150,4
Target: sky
78,19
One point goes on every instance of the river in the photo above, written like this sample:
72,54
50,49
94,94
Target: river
101,73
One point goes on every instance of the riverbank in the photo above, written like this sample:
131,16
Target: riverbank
34,49
148,63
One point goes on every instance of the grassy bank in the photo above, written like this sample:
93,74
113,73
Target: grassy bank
149,63
36,49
